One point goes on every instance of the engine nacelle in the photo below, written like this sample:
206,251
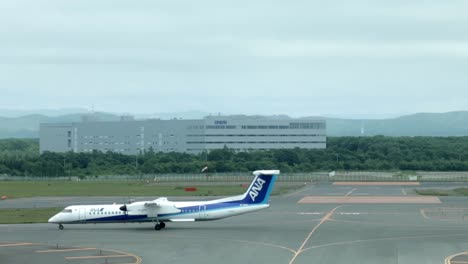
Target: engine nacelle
133,208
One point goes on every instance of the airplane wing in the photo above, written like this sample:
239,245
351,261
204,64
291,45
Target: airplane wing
152,204
158,202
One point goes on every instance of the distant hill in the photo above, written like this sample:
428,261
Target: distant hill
422,124
4,112
28,126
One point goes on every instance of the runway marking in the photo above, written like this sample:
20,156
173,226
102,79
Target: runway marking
324,219
350,192
403,191
105,256
263,244
424,214
238,240
299,191
341,213
310,213
370,199
138,258
377,183
445,213
380,239
448,260
64,250
16,244
387,224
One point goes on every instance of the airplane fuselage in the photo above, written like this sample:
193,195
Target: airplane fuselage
162,210
188,211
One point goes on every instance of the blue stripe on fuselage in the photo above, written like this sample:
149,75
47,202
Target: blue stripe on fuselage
207,208
117,218
262,197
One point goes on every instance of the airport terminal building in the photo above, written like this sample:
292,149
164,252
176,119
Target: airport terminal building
128,136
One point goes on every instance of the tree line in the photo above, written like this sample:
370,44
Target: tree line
20,157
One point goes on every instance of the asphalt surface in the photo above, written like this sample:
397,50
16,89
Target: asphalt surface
287,232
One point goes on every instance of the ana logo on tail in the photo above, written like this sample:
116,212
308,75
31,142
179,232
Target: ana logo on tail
257,187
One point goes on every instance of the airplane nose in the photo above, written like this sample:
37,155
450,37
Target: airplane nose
52,219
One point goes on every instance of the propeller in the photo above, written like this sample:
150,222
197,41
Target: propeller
124,206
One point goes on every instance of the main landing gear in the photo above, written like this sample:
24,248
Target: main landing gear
159,226
60,226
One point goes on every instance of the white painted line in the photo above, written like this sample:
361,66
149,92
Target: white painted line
370,199
296,192
350,192
376,183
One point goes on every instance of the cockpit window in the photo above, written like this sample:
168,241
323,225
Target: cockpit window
66,211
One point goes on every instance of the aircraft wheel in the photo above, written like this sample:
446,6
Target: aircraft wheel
163,225
157,227
60,226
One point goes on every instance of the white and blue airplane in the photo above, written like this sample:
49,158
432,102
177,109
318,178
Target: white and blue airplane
162,210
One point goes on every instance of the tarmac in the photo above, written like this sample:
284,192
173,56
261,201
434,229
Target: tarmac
350,224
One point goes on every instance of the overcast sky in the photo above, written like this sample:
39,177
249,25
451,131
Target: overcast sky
301,58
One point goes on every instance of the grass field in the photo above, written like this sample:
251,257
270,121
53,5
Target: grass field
444,192
27,215
19,189
36,189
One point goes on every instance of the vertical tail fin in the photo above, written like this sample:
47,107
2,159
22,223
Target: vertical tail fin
261,186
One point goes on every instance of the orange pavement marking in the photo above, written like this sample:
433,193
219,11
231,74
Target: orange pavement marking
448,260
93,257
137,258
377,183
324,219
370,199
64,250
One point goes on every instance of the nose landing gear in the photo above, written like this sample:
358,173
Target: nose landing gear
159,226
60,226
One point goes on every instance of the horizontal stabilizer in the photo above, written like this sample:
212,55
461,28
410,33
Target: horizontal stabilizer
266,172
